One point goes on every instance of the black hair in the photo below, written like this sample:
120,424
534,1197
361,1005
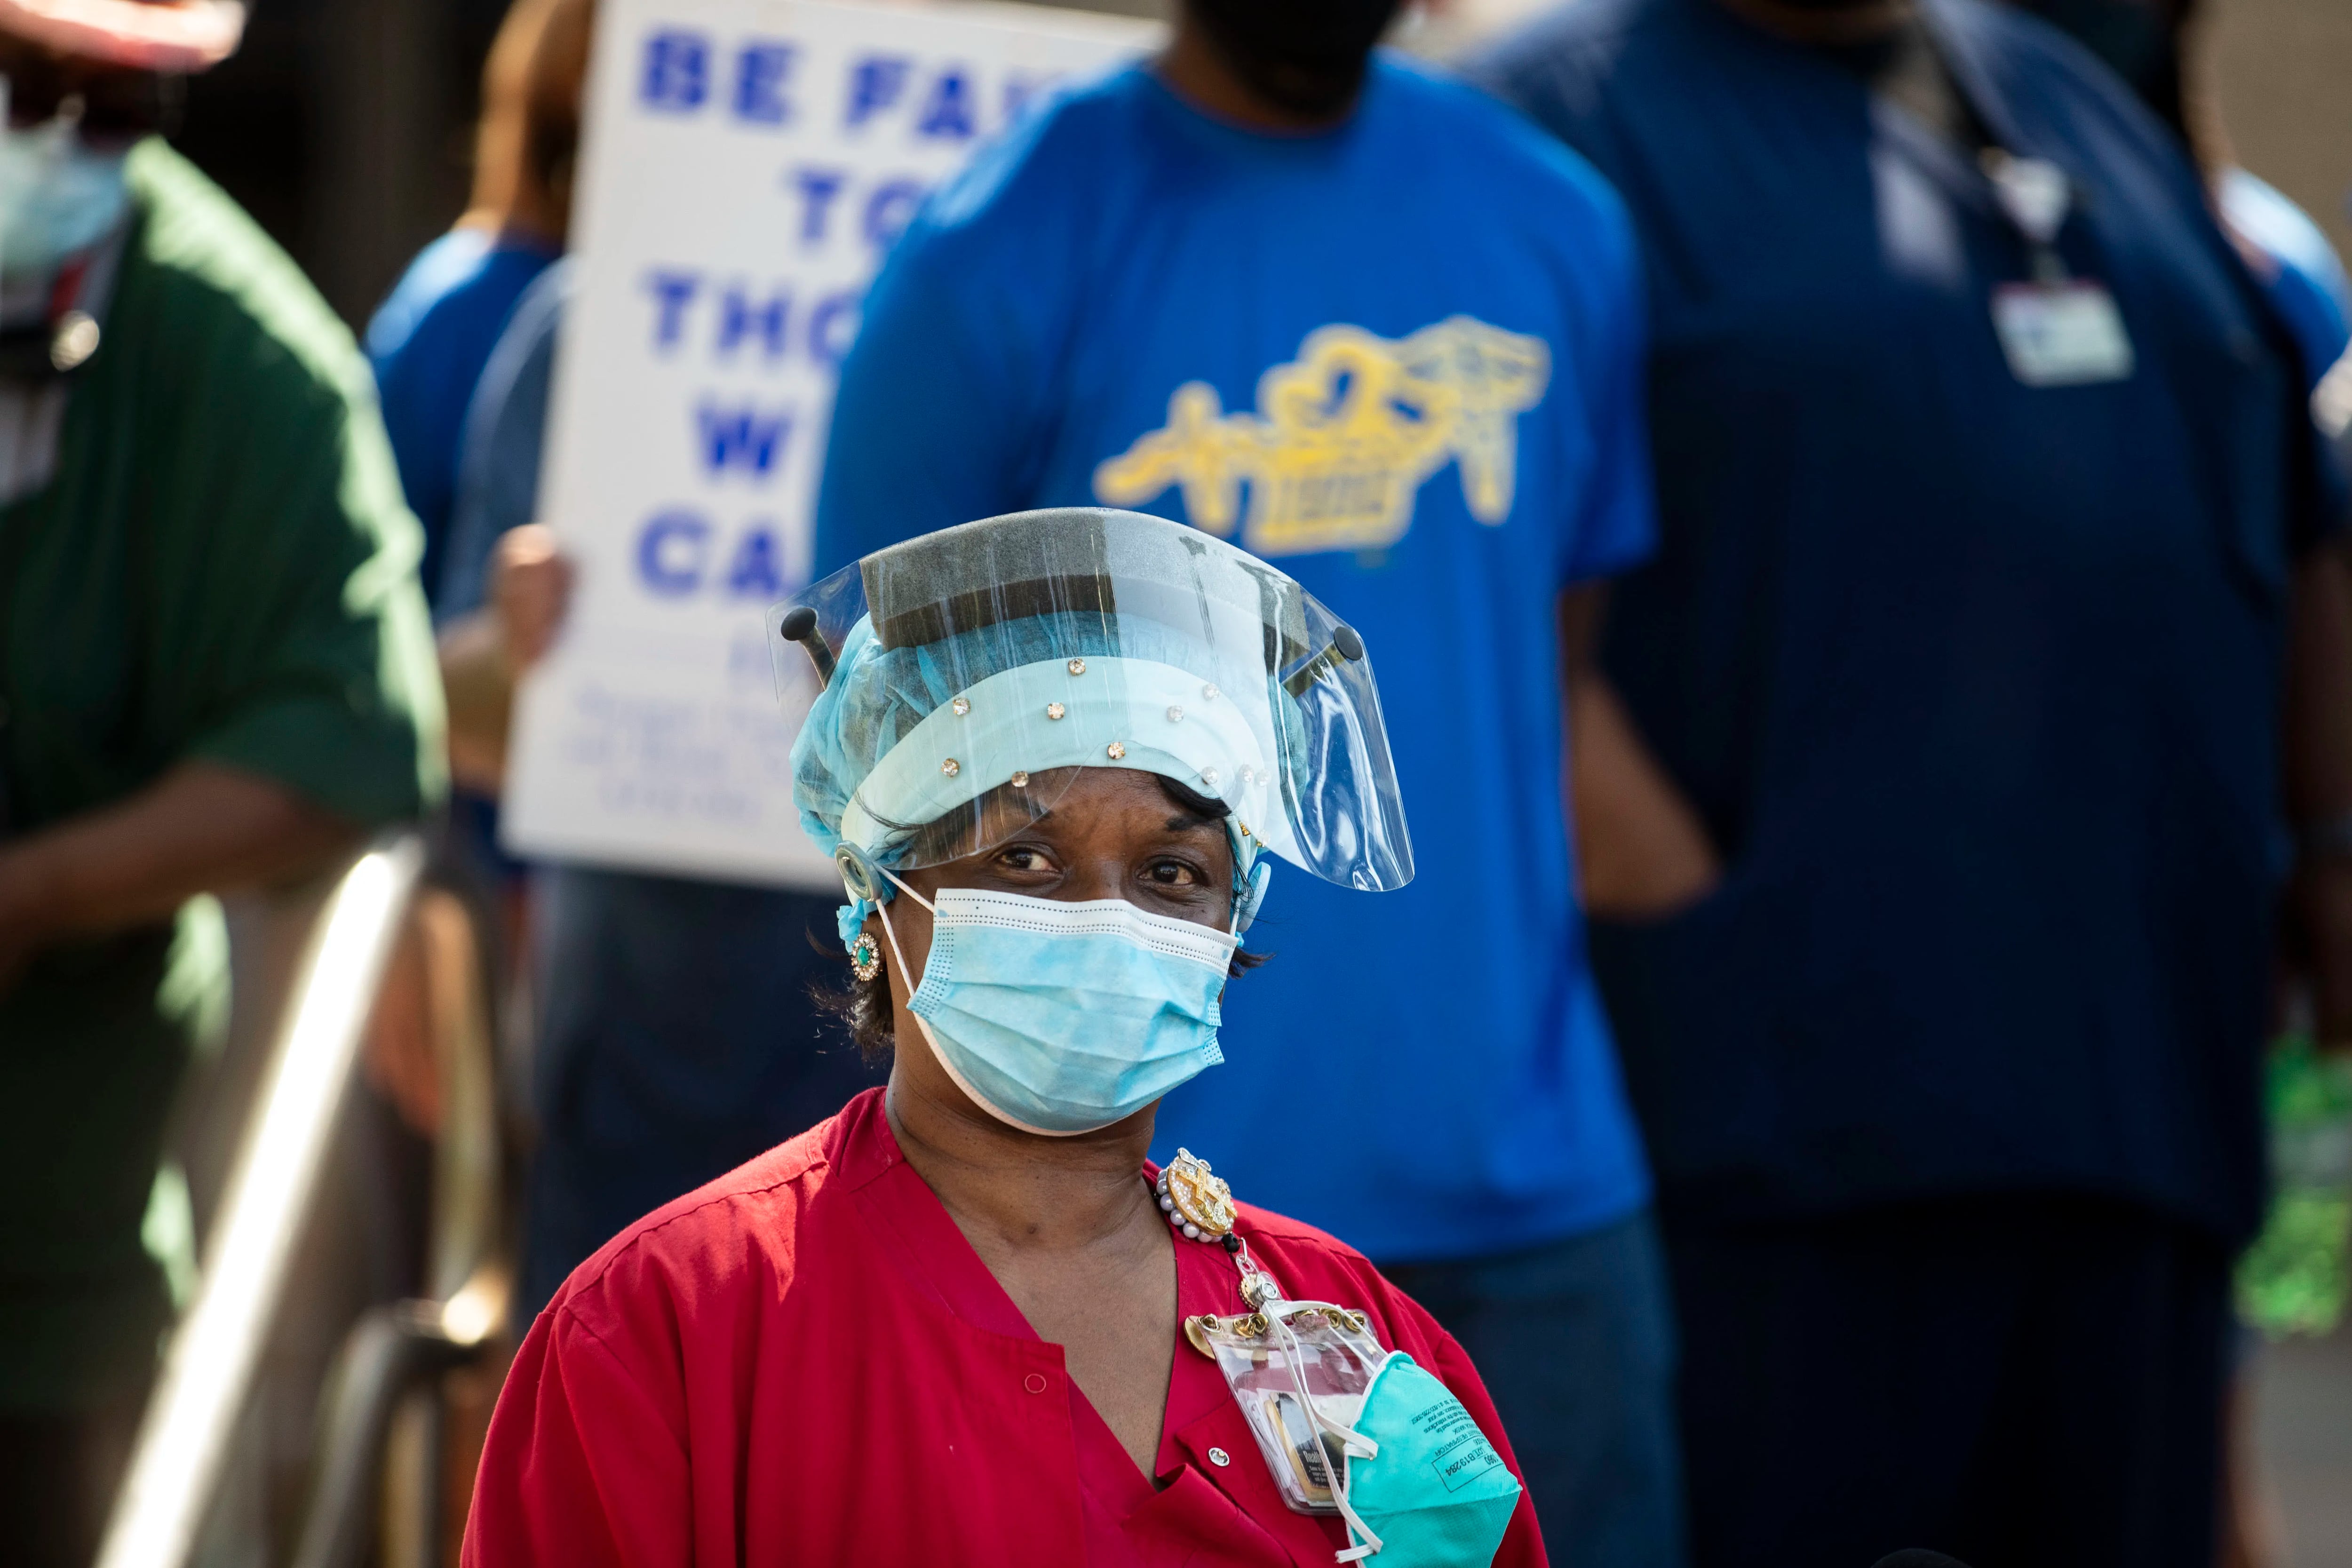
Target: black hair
865,1008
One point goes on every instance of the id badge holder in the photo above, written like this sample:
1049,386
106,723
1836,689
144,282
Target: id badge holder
2065,332
2056,329
1329,1354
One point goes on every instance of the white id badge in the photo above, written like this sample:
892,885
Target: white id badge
2061,334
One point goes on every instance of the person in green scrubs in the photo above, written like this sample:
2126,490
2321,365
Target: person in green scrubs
215,671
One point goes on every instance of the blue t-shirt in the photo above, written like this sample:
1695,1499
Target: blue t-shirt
428,343
1975,684
1403,358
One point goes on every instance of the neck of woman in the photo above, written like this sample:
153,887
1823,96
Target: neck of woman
1014,1192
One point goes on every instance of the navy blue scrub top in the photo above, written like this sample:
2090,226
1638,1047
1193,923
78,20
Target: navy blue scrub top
1975,684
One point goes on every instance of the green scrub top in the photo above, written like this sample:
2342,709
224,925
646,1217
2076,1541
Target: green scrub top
222,569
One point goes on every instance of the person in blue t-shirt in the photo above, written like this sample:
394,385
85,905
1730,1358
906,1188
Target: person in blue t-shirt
434,332
1994,644
1365,324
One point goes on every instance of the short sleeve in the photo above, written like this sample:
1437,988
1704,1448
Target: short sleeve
307,660
929,425
584,1466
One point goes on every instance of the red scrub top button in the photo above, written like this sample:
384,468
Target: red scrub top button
1035,1382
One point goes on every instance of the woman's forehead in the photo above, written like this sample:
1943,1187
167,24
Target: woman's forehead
1085,800
1086,797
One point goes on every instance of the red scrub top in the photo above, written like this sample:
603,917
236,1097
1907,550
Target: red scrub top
805,1363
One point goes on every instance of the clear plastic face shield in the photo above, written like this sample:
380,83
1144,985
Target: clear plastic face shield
970,673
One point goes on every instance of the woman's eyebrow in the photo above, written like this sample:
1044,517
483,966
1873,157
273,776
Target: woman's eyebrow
1187,822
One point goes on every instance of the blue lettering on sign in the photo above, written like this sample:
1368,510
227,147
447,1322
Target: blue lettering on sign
670,549
740,317
741,438
875,82
727,320
832,324
672,292
755,573
817,188
947,114
760,78
889,209
678,547
677,72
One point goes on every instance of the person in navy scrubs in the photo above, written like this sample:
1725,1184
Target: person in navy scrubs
1986,698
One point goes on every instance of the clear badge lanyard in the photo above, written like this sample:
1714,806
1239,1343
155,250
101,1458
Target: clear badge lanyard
1299,1371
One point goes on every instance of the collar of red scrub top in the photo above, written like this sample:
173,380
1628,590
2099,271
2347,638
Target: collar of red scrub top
1125,1511
935,1252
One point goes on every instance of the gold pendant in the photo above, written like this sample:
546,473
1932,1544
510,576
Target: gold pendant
1196,1202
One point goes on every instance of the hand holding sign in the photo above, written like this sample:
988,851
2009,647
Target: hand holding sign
530,587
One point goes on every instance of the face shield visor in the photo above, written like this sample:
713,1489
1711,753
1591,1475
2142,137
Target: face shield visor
969,674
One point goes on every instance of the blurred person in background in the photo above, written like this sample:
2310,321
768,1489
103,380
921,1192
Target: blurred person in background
677,1031
2148,43
430,344
214,672
1991,677
430,337
1359,320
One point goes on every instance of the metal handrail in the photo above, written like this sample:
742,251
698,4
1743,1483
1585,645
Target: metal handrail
208,1370
389,1353
378,1455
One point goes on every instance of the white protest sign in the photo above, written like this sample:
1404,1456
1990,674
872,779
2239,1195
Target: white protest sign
746,162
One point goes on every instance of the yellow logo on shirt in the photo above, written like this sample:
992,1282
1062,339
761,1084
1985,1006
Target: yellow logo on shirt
1344,436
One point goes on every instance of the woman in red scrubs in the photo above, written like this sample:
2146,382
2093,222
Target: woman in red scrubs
966,1321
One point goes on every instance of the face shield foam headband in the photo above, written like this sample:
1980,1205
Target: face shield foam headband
1101,712
962,678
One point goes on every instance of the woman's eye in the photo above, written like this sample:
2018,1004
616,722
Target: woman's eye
1021,857
1172,873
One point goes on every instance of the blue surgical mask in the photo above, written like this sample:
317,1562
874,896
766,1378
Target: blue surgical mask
1060,1018
58,196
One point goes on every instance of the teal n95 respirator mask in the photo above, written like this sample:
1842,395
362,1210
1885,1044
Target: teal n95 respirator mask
1422,1485
1348,1427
